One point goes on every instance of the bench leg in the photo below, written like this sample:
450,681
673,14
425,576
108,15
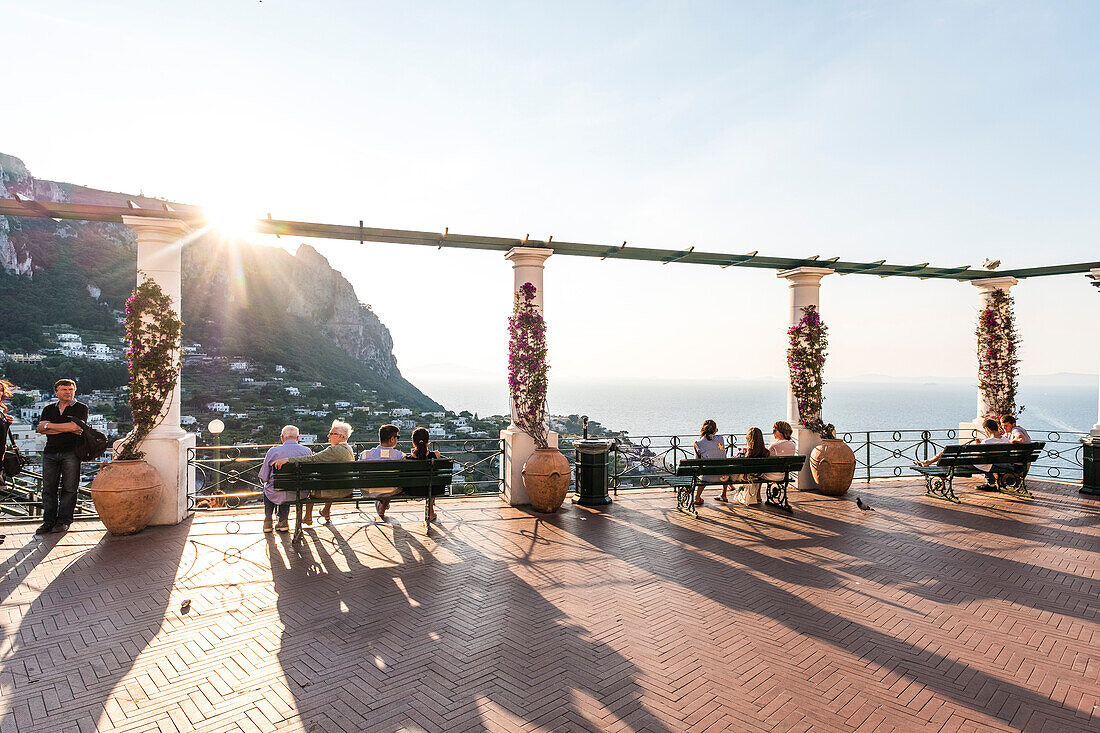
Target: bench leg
297,522
940,488
428,509
1014,485
685,500
777,496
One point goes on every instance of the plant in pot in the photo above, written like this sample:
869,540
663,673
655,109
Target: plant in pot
546,471
126,491
832,462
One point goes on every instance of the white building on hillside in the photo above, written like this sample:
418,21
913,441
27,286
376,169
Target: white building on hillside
217,407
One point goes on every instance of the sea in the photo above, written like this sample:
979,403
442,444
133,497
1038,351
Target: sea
679,407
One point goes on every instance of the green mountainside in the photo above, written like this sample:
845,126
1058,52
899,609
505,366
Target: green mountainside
240,300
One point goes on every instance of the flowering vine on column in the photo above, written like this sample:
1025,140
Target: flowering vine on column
154,333
998,355
809,341
527,367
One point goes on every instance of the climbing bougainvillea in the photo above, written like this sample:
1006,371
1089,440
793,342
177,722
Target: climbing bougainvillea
809,342
527,367
998,355
153,332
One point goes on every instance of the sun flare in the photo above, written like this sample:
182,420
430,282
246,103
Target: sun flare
230,223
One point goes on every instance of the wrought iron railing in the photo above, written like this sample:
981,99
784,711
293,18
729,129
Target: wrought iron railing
637,462
227,477
21,496
890,453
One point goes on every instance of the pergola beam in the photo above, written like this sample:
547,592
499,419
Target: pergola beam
356,233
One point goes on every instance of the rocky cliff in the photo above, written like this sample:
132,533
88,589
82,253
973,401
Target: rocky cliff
239,299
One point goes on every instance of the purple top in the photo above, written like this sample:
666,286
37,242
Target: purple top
289,449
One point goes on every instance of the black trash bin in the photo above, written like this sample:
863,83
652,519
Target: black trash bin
1091,474
592,472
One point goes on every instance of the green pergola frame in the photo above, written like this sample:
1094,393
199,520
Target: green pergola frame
195,216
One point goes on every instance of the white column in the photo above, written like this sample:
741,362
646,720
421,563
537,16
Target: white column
160,245
1095,432
805,286
985,286
527,267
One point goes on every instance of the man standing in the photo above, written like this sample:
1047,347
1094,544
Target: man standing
279,501
60,465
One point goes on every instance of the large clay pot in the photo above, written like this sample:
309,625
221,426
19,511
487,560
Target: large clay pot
126,493
833,465
546,478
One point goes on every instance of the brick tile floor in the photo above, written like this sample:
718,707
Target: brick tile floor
921,615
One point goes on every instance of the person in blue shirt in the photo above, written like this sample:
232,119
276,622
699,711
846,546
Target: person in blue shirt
386,450
279,501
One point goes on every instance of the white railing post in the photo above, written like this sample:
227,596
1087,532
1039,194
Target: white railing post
528,264
805,287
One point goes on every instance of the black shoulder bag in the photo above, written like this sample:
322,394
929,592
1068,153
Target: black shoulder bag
13,459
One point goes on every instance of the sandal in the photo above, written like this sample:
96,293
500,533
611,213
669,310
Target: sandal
722,499
698,502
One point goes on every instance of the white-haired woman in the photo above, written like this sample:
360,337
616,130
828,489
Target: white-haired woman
338,451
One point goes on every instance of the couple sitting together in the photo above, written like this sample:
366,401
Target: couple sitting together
1007,431
338,451
711,446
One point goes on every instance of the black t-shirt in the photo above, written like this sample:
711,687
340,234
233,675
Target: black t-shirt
63,442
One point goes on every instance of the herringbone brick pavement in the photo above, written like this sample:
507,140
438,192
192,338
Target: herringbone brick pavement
920,616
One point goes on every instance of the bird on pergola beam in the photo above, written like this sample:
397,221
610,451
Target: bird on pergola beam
991,264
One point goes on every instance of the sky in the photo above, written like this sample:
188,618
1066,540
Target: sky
945,132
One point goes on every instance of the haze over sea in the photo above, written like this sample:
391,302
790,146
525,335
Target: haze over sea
1063,403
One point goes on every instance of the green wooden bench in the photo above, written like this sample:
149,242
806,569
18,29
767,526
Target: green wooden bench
1009,460
739,471
365,481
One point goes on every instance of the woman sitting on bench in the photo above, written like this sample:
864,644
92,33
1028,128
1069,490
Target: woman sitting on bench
709,447
420,439
749,494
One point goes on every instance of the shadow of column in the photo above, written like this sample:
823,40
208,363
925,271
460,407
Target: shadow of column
84,630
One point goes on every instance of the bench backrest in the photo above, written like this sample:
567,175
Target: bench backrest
981,453
433,472
722,466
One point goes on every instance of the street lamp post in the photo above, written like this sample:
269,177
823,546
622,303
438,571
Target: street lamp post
216,427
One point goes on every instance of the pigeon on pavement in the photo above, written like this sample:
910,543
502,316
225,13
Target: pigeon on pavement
863,507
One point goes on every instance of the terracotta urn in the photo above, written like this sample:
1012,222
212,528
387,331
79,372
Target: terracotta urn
125,494
833,465
546,478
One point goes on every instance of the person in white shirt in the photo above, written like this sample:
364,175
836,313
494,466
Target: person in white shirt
710,446
992,436
1012,431
782,445
386,450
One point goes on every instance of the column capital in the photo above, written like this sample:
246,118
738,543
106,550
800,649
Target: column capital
528,256
805,275
155,225
989,284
